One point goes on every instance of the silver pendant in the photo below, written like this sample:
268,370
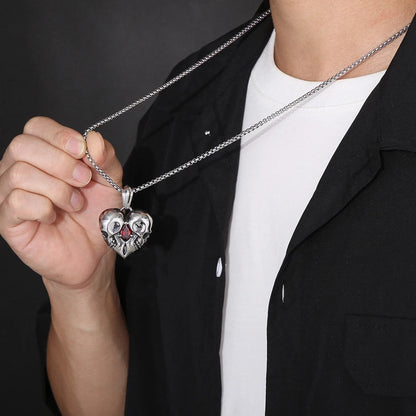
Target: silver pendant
125,230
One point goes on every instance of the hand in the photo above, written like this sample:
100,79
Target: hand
50,201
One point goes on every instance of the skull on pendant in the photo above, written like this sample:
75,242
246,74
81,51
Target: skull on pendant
125,230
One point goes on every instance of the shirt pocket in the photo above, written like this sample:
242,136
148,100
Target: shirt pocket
380,354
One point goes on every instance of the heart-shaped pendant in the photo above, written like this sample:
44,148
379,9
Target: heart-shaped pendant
125,230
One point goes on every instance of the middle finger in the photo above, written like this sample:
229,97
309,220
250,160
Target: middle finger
28,178
50,159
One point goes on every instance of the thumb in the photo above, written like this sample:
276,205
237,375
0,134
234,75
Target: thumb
104,155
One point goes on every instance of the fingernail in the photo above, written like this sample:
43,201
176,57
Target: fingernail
82,173
75,146
77,201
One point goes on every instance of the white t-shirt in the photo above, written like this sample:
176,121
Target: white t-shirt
280,167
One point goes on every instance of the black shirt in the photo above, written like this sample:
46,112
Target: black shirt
343,342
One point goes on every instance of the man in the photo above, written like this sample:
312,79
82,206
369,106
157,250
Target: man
340,315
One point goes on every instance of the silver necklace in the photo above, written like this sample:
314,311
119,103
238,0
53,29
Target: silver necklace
126,230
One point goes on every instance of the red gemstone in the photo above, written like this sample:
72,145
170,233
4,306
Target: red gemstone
125,232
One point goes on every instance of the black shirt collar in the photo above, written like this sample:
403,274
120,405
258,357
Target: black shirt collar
398,97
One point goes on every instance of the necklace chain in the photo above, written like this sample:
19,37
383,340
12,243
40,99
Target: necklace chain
243,133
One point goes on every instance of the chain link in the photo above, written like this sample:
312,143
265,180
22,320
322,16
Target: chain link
166,85
243,133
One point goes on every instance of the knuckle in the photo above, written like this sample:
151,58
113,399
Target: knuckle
16,146
17,174
15,200
32,123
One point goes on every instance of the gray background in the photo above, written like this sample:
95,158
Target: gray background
76,61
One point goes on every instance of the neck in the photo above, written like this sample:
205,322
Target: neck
317,38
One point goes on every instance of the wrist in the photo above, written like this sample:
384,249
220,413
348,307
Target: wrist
91,307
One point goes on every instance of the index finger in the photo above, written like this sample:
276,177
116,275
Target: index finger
57,135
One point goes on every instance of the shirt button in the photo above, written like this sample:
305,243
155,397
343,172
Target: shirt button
219,267
287,295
